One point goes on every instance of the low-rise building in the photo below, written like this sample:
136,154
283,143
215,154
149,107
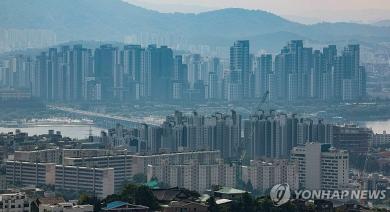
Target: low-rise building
125,207
376,181
229,193
14,202
58,204
65,207
165,196
380,139
352,138
188,206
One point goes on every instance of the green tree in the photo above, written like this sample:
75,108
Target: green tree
212,206
241,184
249,186
234,206
288,207
372,165
86,199
264,204
115,197
135,194
129,192
144,196
310,206
83,199
215,187
193,193
139,178
163,185
248,203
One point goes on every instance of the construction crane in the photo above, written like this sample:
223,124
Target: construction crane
363,173
263,100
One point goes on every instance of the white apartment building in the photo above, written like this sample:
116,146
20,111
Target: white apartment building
321,166
55,155
42,156
121,164
100,181
85,153
140,163
264,175
334,169
22,173
97,180
194,176
105,175
14,202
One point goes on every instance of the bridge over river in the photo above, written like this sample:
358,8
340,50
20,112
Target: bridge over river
106,120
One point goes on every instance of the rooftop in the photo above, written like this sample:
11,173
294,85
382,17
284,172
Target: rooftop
228,190
120,204
51,200
222,201
116,204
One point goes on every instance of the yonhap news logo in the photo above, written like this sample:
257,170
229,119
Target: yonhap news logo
280,194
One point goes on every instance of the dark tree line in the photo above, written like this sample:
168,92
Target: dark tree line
133,194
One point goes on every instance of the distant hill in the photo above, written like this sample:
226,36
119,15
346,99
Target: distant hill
383,23
112,20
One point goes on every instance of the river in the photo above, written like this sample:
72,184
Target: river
83,131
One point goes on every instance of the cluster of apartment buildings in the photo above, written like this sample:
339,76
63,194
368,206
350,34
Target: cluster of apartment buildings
132,72
102,173
265,134
183,133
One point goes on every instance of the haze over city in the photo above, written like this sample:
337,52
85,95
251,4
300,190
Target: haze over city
195,105
305,11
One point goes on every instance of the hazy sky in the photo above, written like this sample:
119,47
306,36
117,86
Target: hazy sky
312,10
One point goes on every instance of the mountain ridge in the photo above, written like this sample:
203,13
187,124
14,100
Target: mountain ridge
112,20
